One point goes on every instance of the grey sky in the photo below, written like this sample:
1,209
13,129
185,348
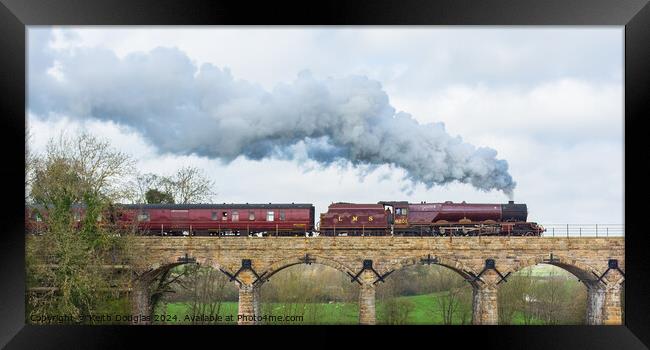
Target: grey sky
548,100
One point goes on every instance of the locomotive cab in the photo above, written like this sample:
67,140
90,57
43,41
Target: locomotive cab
401,215
397,213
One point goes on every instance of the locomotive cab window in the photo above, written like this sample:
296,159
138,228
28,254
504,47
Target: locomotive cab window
282,217
224,216
401,211
215,216
270,215
38,217
143,216
235,215
251,215
77,216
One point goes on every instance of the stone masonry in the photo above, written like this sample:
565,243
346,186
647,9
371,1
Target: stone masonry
585,257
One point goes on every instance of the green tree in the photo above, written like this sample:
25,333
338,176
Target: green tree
187,185
74,181
154,196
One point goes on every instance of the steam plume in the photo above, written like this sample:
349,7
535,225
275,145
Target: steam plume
183,109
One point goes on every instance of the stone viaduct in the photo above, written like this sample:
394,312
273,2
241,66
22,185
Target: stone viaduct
483,261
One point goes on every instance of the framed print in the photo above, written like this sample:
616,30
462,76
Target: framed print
370,169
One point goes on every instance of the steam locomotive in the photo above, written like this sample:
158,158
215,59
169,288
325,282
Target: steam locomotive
341,219
427,219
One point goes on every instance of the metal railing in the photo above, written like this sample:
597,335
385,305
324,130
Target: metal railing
583,230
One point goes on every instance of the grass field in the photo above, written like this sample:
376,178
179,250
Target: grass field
425,311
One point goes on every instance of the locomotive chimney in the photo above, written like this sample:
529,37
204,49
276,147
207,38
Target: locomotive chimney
511,202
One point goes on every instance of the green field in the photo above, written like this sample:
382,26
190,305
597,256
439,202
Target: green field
425,311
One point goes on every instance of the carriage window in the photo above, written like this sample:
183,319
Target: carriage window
215,215
269,215
38,217
251,215
235,215
143,216
77,216
282,217
224,216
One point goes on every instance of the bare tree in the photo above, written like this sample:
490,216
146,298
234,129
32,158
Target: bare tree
142,183
207,288
189,185
528,301
555,297
515,296
151,188
451,300
397,310
99,169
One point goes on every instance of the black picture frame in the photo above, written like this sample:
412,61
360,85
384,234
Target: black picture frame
15,15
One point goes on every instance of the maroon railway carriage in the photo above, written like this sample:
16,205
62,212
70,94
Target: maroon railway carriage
428,219
196,219
36,217
221,219
33,220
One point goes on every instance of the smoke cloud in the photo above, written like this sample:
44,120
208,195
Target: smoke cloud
184,109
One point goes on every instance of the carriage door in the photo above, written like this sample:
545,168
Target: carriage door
180,220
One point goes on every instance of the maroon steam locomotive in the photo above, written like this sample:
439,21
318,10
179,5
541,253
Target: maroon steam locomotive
341,219
427,219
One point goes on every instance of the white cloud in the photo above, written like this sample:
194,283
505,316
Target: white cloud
568,110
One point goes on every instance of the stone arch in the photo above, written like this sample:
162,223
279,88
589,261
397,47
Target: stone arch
171,261
284,263
142,301
603,300
453,264
577,268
